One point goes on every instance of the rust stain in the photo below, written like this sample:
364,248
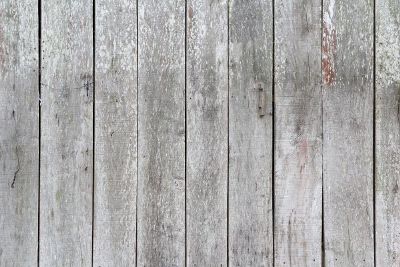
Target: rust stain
328,52
190,18
190,12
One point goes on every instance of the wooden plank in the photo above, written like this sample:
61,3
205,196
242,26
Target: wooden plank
161,147
298,133
19,132
207,132
387,132
348,132
250,136
67,133
115,134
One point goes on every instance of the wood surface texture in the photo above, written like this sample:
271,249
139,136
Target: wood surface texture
298,133
115,134
200,133
348,115
250,136
207,132
66,156
19,132
387,143
161,140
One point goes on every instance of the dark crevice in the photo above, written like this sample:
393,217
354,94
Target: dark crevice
228,149
322,144
273,133
374,131
186,133
17,168
40,119
137,131
322,187
94,119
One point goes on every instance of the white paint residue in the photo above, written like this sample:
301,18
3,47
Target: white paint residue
331,8
328,16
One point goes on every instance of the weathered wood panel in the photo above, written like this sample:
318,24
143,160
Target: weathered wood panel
115,134
348,132
67,133
298,133
207,132
161,151
387,132
250,135
19,132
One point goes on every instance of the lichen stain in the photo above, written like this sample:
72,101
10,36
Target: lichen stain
58,196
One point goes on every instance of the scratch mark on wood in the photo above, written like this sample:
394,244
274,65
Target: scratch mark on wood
17,155
17,168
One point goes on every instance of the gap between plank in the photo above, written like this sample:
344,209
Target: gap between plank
94,117
228,149
273,134
185,133
322,143
137,131
374,130
40,117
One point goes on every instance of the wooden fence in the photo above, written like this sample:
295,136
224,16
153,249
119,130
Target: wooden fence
199,133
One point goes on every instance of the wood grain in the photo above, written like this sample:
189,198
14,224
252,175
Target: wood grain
250,136
348,132
161,151
387,133
207,132
66,133
19,132
298,133
116,134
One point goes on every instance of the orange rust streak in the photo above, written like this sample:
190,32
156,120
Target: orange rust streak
328,50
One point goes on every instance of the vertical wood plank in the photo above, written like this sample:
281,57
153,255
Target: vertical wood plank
19,132
250,136
116,133
298,139
207,132
387,132
348,132
161,184
67,133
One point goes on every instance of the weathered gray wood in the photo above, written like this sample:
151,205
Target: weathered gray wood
298,133
67,134
387,132
116,127
207,132
250,136
348,132
19,132
161,147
